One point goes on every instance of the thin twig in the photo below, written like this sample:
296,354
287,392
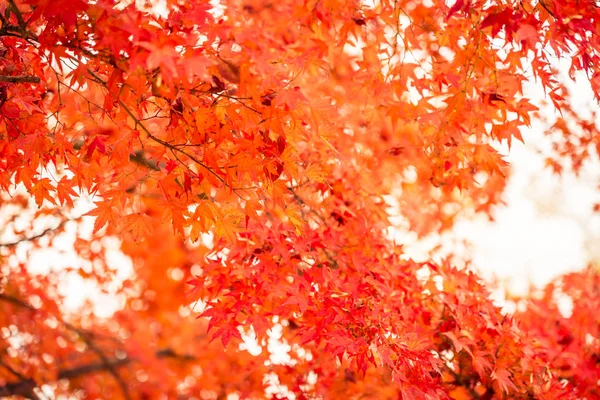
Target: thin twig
34,237
139,123
168,145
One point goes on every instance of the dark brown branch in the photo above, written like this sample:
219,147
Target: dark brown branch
17,13
546,8
19,30
462,381
169,353
19,79
88,341
90,369
139,158
24,386
108,365
87,369
32,238
16,302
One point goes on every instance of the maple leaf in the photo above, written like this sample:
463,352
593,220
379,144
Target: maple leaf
527,34
481,364
139,224
27,104
227,227
202,220
294,213
41,191
503,379
497,21
65,192
458,346
314,173
160,56
227,332
97,144
459,5
176,216
104,213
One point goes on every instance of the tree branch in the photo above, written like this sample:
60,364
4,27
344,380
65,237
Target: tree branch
546,8
17,13
15,301
86,369
89,342
24,386
19,79
34,237
462,381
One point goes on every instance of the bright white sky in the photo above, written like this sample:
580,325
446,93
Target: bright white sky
547,227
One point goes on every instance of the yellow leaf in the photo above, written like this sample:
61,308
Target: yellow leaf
314,173
140,225
227,227
294,214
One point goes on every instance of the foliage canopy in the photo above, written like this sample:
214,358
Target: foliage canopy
244,154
